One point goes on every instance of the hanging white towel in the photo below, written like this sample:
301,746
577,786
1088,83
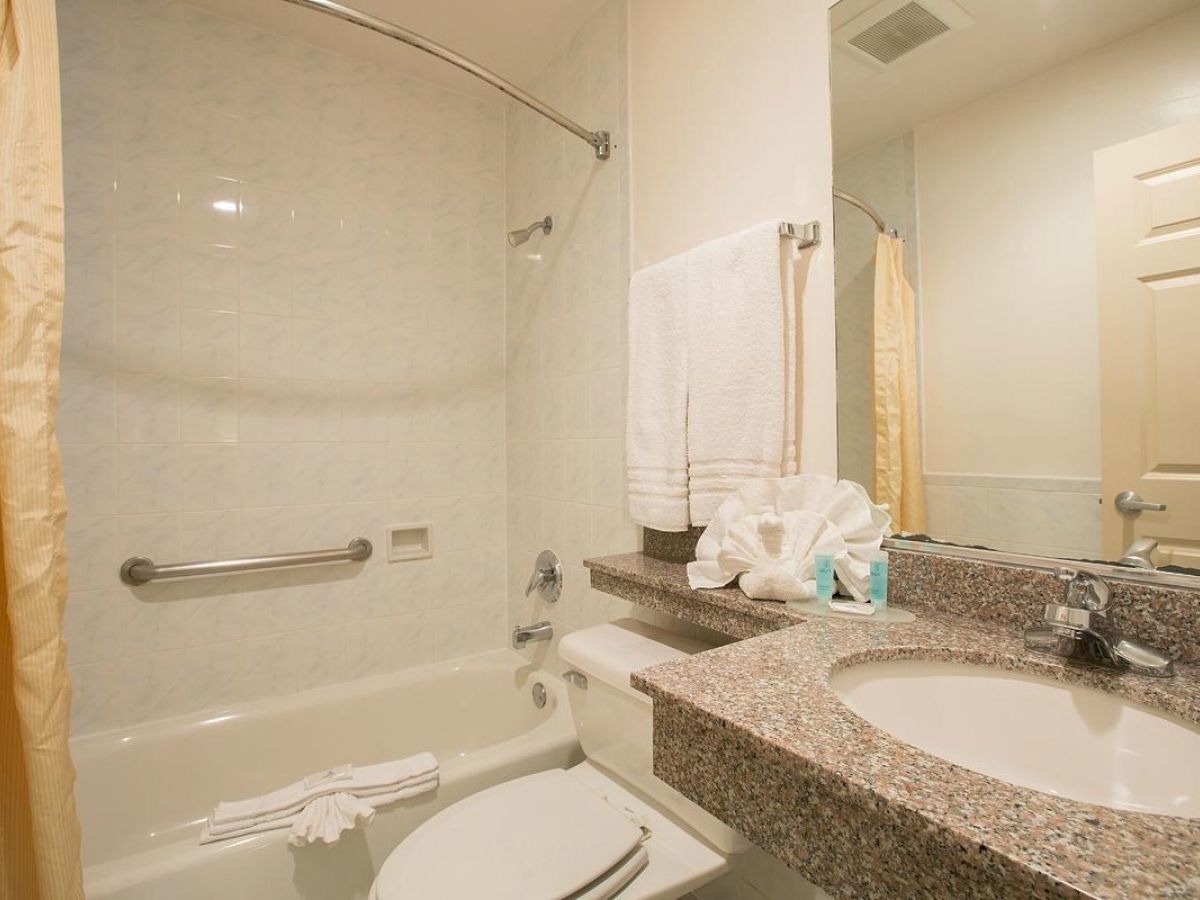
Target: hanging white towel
742,364
376,784
656,455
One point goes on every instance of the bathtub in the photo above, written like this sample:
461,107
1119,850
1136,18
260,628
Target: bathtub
144,792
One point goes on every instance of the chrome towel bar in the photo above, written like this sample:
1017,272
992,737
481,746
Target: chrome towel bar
140,570
806,235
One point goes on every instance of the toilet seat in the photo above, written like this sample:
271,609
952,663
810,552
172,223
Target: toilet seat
545,837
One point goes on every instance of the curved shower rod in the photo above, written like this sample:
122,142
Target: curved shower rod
869,210
600,141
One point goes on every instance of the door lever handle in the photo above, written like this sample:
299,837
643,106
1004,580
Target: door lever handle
1129,503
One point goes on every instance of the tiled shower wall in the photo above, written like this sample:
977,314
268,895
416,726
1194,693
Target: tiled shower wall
566,330
284,328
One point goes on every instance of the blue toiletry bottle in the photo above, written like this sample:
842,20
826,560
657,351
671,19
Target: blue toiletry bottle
823,562
879,578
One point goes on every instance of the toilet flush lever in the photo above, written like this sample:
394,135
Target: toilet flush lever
547,577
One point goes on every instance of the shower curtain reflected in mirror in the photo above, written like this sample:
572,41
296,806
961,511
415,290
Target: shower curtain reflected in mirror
39,832
898,467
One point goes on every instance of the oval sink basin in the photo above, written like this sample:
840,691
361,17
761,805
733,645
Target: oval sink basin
1058,738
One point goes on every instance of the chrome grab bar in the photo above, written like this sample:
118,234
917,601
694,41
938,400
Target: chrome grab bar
140,570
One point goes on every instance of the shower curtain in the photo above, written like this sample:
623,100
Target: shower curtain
899,481
39,832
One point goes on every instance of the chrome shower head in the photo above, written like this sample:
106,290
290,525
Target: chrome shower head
521,235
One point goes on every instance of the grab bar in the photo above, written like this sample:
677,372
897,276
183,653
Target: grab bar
140,570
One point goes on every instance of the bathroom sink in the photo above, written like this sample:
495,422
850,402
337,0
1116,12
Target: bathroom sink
1063,739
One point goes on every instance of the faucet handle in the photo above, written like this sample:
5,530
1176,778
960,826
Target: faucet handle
547,577
1084,590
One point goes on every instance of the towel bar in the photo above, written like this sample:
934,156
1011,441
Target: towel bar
140,570
806,235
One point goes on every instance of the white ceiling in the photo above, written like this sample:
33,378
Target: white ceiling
1009,41
513,38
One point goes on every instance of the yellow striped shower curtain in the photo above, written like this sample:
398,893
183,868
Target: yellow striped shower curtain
899,472
39,832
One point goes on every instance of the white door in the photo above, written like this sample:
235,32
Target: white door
1148,246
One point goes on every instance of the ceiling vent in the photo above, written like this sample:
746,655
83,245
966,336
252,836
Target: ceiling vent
890,29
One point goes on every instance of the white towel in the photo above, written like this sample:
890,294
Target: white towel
656,454
327,817
297,821
741,350
374,782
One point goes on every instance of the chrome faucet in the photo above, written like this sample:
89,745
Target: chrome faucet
1140,553
1078,629
523,634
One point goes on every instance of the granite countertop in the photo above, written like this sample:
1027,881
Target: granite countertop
663,586
754,733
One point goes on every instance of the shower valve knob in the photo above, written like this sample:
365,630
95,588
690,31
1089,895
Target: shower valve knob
547,577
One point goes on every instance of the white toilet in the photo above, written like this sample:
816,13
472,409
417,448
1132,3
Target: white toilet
606,828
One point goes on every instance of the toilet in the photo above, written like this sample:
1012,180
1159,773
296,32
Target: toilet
606,828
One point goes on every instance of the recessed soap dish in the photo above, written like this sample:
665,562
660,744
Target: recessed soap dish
413,540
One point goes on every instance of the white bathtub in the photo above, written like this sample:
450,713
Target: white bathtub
144,792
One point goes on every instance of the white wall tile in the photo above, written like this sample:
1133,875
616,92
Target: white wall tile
208,342
250,362
208,409
148,408
148,338
265,346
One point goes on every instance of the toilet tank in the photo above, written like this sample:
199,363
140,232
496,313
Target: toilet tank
614,720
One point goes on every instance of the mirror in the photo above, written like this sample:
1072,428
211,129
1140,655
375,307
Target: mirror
1039,162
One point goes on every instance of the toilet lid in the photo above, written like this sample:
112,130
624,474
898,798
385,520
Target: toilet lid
541,837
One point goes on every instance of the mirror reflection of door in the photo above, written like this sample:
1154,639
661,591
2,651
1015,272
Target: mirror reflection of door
1148,239
990,177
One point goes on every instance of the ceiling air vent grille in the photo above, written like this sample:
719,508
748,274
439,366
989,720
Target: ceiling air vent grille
907,28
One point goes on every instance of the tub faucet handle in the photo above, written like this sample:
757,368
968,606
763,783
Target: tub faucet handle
547,577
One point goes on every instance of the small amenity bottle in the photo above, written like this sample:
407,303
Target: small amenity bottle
879,579
823,563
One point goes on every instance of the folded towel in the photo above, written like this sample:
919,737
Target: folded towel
300,821
656,455
741,350
361,781
327,817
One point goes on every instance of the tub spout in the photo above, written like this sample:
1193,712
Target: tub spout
523,634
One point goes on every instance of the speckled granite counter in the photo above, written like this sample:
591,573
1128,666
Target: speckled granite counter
663,586
754,733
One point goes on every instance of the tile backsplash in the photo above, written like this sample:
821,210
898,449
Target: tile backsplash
284,328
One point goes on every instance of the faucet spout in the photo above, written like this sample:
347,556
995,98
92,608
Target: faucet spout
1078,630
523,634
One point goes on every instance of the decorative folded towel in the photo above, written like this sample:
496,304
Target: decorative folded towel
293,820
327,817
742,364
656,455
377,785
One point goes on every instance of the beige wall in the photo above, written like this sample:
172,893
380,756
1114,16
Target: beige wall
730,125
1007,253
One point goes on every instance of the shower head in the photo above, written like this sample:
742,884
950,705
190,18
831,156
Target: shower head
521,235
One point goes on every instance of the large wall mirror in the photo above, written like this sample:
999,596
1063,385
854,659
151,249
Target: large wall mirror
1026,349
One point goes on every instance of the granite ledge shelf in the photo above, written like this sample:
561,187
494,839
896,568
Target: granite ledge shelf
663,586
